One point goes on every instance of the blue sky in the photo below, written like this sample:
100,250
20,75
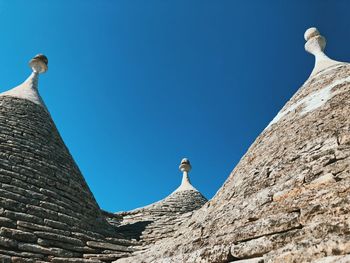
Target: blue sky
134,86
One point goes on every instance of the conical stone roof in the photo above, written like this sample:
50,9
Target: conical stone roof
286,201
47,211
288,198
159,220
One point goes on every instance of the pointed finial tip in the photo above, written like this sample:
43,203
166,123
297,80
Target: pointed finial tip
310,33
39,63
185,165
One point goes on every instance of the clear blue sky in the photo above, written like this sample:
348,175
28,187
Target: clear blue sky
134,86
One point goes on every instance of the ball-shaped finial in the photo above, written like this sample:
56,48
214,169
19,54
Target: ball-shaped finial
315,42
39,63
310,33
185,165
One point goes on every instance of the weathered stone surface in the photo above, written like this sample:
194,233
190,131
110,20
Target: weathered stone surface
333,259
106,257
22,260
7,242
110,246
157,221
287,200
18,234
6,222
259,246
46,207
251,260
58,237
5,259
74,260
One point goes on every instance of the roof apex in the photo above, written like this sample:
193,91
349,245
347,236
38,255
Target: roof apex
28,90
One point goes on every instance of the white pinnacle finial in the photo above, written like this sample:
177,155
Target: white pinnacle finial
28,90
315,44
185,167
39,63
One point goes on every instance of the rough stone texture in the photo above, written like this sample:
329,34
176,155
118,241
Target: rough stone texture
47,212
46,207
286,201
288,198
152,223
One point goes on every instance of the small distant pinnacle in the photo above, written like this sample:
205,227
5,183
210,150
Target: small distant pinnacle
185,167
315,44
39,63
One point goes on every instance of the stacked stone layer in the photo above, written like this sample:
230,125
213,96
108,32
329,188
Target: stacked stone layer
286,201
47,212
153,223
288,198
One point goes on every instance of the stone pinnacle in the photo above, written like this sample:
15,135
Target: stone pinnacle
28,90
39,63
185,165
315,44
